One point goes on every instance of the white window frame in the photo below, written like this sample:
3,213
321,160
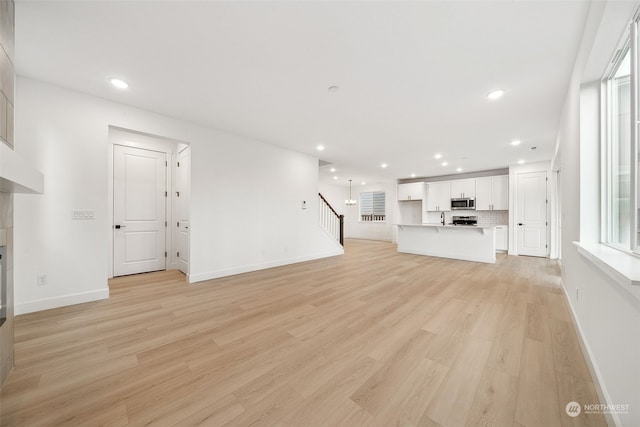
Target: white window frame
630,41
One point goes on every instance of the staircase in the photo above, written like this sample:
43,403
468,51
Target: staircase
330,220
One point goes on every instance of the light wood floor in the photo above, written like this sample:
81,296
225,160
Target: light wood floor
372,338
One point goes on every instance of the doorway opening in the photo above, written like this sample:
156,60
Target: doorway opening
148,203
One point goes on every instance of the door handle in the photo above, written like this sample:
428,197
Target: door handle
520,224
118,226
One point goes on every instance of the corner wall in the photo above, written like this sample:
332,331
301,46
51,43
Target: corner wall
245,204
606,315
7,78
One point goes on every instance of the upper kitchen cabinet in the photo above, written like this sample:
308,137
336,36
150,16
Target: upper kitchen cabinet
411,191
438,196
492,193
463,188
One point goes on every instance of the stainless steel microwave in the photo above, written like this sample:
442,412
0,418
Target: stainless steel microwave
467,204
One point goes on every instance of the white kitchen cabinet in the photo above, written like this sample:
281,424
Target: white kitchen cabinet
492,193
463,188
411,191
500,193
502,238
483,194
438,196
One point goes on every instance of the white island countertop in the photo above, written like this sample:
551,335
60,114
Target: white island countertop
464,242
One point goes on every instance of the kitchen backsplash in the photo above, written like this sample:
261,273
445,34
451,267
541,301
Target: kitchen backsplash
484,217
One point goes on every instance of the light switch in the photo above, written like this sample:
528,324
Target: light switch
82,214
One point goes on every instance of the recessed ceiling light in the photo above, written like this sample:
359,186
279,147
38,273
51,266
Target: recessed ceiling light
119,83
320,147
384,165
444,163
334,89
335,177
364,183
495,94
437,156
459,170
515,142
413,175
520,162
332,169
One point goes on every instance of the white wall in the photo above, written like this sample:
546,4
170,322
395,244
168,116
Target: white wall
245,205
607,316
353,227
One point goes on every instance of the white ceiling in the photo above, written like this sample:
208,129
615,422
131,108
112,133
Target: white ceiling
413,76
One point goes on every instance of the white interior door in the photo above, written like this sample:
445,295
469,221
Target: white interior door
531,215
139,210
183,188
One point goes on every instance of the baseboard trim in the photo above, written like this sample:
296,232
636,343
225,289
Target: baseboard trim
60,301
611,418
200,277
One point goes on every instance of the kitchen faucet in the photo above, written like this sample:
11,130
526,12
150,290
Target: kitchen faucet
442,217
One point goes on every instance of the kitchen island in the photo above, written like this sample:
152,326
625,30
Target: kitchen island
470,243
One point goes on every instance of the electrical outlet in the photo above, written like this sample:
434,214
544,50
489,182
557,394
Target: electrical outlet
42,279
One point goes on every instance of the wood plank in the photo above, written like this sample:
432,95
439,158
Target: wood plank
567,354
455,396
495,401
411,400
382,386
270,410
536,405
334,393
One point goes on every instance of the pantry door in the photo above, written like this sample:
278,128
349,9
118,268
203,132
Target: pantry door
139,210
531,214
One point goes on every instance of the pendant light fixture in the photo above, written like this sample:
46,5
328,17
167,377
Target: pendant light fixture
349,201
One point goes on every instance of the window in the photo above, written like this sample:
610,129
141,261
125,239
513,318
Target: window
621,188
618,153
372,206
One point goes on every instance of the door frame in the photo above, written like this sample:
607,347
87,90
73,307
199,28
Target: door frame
135,139
187,152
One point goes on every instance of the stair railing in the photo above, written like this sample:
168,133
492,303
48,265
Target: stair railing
330,220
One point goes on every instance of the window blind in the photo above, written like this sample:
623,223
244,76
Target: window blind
372,206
